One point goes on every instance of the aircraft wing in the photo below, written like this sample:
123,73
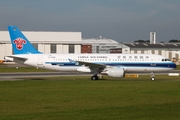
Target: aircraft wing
91,65
94,67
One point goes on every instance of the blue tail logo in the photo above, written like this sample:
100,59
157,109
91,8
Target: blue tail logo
20,43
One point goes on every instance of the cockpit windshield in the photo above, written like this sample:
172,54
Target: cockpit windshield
165,60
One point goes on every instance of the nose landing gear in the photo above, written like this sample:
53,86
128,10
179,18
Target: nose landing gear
94,77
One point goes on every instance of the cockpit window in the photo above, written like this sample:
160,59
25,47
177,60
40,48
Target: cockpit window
165,60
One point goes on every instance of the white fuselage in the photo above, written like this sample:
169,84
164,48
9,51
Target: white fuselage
70,62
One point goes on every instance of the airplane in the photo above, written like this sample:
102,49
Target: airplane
113,65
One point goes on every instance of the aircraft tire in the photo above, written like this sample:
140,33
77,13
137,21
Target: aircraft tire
152,78
94,78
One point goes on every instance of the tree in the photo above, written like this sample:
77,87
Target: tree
174,41
142,41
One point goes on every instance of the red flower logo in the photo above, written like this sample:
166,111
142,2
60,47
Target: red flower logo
19,43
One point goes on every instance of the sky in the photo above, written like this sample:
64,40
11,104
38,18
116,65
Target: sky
120,20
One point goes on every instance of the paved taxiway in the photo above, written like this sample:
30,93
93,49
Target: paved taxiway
20,75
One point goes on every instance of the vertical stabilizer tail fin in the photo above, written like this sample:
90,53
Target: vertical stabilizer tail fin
20,43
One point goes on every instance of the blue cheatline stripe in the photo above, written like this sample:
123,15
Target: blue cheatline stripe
123,64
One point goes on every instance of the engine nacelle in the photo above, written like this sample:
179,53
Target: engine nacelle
115,72
84,69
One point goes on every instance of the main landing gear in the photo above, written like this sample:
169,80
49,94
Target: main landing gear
152,76
94,77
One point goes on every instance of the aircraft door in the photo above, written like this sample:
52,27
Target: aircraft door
40,60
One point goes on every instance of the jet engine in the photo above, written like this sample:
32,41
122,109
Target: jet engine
114,72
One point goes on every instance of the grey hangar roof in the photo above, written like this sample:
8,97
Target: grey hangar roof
153,46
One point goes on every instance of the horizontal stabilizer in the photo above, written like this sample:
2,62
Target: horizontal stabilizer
15,59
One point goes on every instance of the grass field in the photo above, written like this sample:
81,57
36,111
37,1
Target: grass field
4,68
78,98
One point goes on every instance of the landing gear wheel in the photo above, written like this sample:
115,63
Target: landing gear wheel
94,78
152,78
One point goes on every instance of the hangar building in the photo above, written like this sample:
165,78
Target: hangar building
72,42
46,42
58,42
169,50
101,45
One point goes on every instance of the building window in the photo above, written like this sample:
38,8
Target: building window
97,49
35,45
159,52
53,48
153,51
71,48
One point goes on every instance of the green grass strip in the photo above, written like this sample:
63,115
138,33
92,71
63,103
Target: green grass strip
79,98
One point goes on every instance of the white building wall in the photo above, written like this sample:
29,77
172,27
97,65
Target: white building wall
45,36
59,49
41,48
77,49
2,50
65,48
163,53
156,52
146,52
5,49
167,54
47,48
126,50
4,36
43,39
173,54
53,36
149,52
138,51
8,49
